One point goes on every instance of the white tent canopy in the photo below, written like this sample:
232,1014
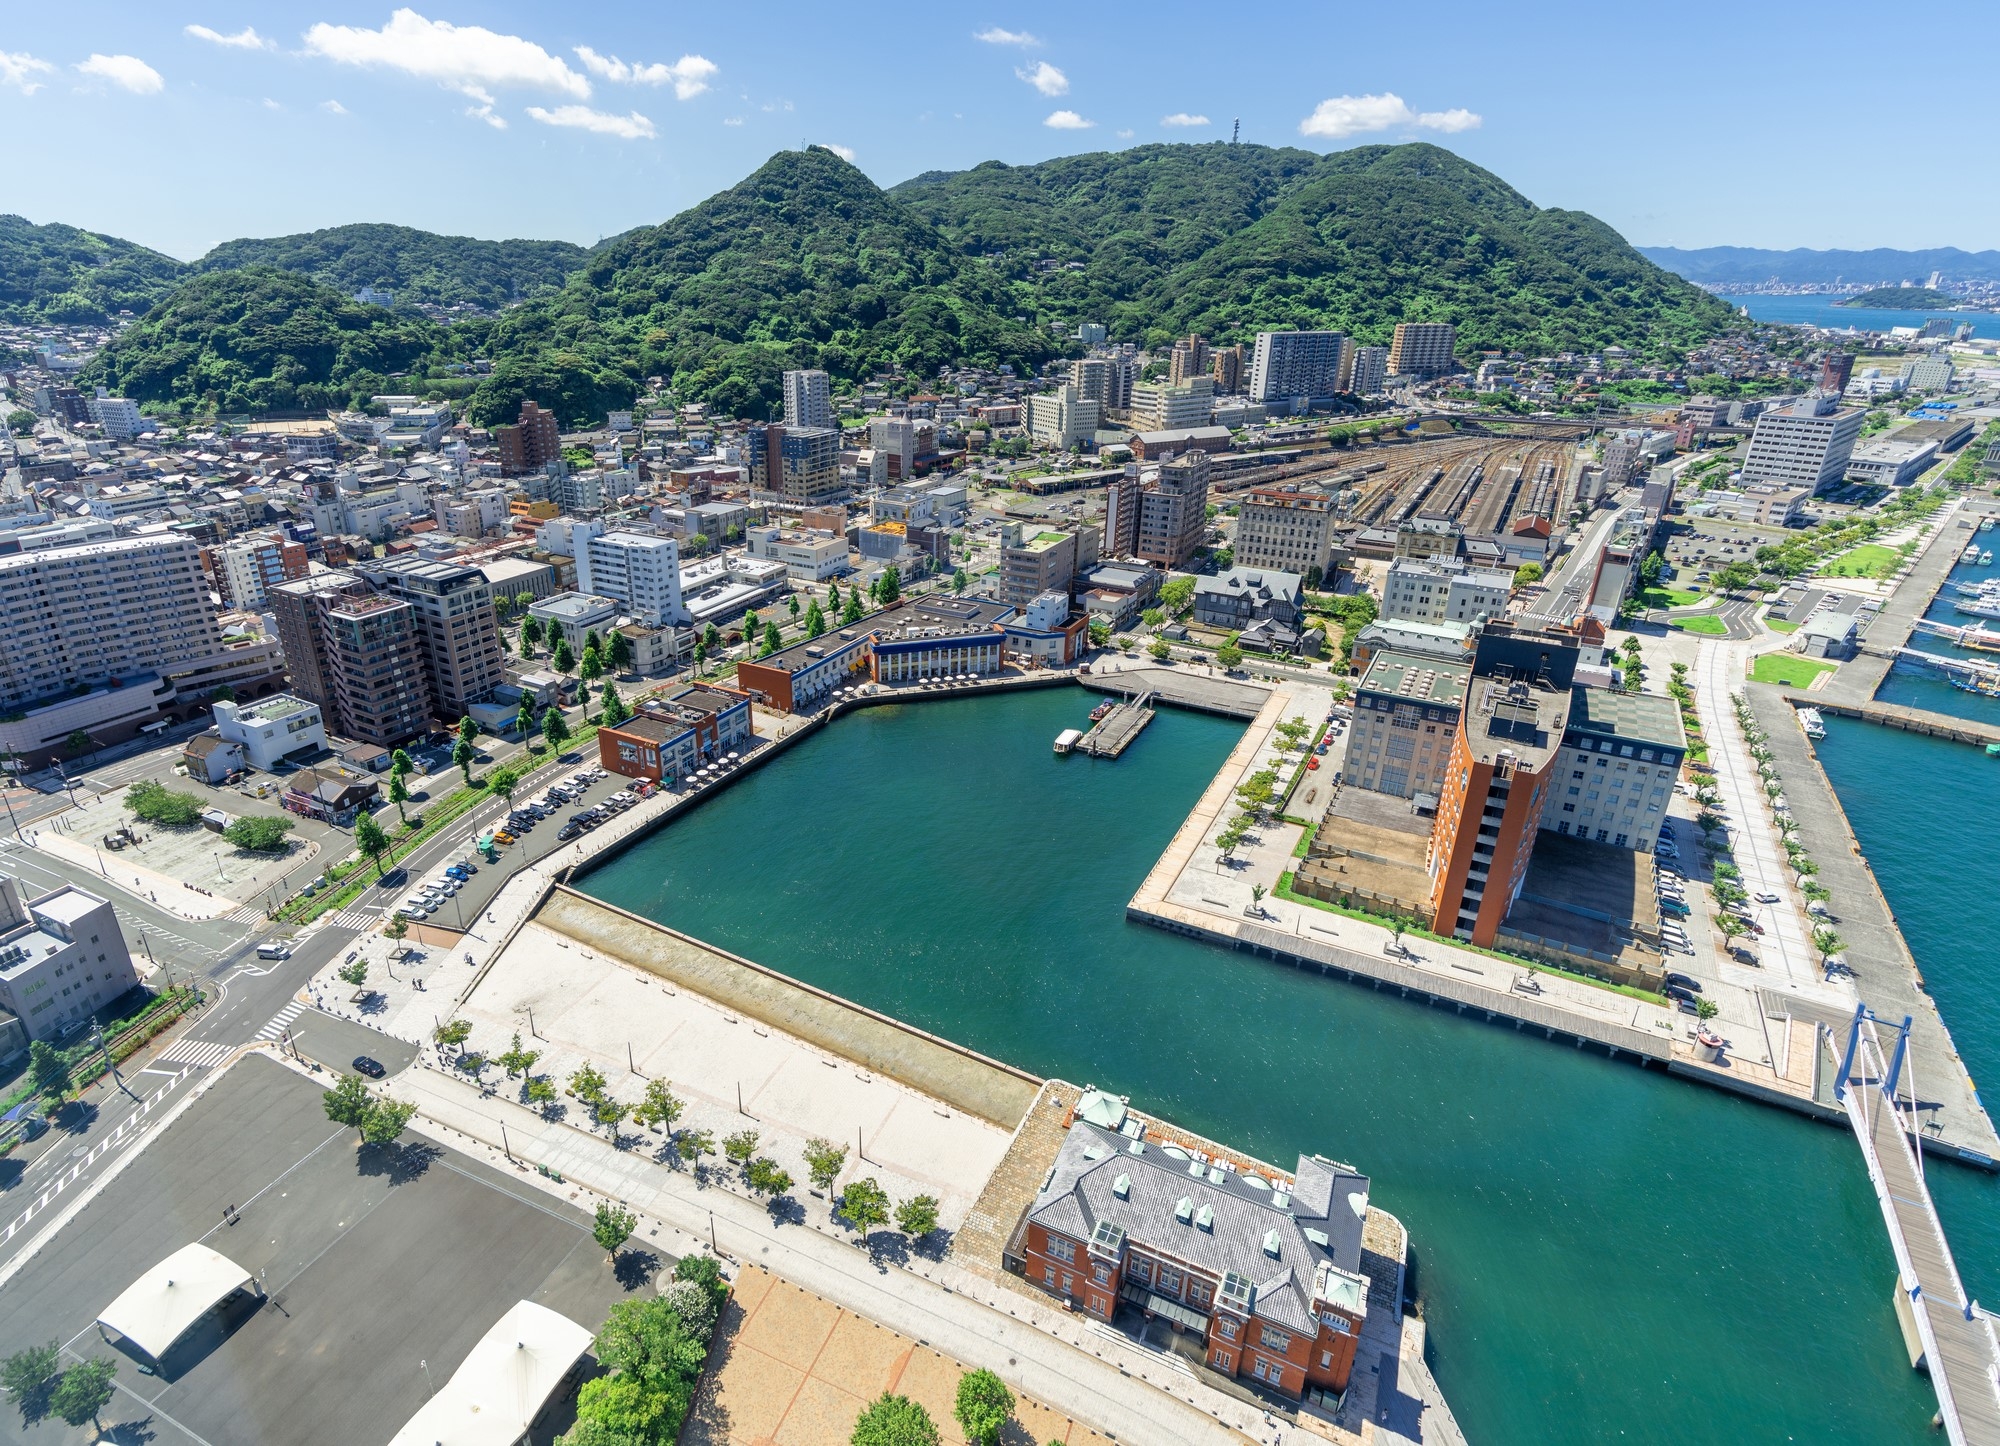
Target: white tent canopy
157,1308
494,1397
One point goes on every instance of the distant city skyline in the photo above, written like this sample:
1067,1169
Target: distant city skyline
1719,129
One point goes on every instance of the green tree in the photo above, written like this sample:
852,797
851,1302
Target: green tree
524,721
592,643
555,729
959,581
772,642
815,621
889,586
1100,632
833,597
523,601
613,1227
750,625
348,1102
823,1162
1176,594
1527,574
369,838
917,1216
84,1391
539,1091
591,668
1158,650
851,614
518,1060
401,764
386,1121
531,636
21,422
155,803
563,659
399,794
792,602
502,781
1229,655
660,1106
984,1403
453,1033
30,1377
894,1421
79,742
48,1072
613,711
260,833
740,1146
396,929
354,972
712,640
764,1177
618,652
1652,569
865,1204
692,1144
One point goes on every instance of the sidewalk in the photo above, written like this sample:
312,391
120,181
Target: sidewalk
151,885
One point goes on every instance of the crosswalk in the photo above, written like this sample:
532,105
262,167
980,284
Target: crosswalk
243,914
354,917
202,1053
279,1020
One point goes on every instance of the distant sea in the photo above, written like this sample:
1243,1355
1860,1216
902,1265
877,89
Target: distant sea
1822,311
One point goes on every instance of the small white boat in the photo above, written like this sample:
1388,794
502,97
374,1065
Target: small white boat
1068,739
1986,558
1971,553
1811,723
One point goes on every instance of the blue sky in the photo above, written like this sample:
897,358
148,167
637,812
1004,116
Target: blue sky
180,125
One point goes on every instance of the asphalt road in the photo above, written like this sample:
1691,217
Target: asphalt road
382,1267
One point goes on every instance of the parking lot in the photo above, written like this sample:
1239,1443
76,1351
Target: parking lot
382,1268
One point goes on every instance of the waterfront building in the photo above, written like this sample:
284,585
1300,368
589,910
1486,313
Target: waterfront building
62,958
672,735
1807,444
1287,365
1048,632
1034,561
1444,591
1614,777
1449,641
1423,349
1265,1271
1892,461
924,637
1406,714
1245,595
809,399
1282,527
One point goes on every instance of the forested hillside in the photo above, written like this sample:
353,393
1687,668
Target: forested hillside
419,267
60,274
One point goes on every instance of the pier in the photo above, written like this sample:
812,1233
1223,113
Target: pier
1119,728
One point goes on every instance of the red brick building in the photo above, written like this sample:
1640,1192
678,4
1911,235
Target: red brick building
673,735
1265,1269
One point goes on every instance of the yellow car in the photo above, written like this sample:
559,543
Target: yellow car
503,837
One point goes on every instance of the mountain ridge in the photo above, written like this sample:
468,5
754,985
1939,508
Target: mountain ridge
1752,266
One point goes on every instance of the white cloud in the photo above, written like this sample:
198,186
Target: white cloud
1068,120
1123,135
846,153
689,75
19,69
1353,115
482,109
128,72
732,120
994,35
333,107
244,39
1046,78
1182,118
466,58
270,104
633,127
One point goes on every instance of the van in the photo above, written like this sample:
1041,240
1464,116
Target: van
274,950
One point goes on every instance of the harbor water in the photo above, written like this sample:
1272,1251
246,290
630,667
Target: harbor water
1818,310
1603,1253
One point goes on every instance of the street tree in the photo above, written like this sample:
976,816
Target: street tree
917,1216
531,636
397,929
591,668
659,1107
1159,650
693,1144
792,602
889,587
892,1420
84,1391
371,840
453,1033
385,1121
749,625
815,621
354,972
587,1084
851,614
712,640
1229,655
48,1072
30,1377
502,781
518,1060
539,1091
823,1162
983,1405
592,643
764,1177
524,721
613,710
865,1205
348,1102
618,651
613,1227
959,581
399,794
606,1111
563,659
772,641
555,729
739,1147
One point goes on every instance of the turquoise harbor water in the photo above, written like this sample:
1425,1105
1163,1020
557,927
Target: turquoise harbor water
1916,687
1603,1253
1821,311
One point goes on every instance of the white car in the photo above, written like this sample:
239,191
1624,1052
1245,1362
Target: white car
415,907
1765,896
447,887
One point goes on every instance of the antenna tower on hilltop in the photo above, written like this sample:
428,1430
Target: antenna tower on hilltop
1235,129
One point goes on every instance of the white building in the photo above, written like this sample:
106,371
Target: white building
1806,445
117,415
808,556
271,729
62,958
1063,418
575,616
1444,592
1371,371
1160,407
640,570
1929,374
808,400
1288,364
1891,461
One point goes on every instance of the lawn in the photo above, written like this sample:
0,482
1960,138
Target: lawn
1779,625
1700,623
1668,597
1871,559
1789,670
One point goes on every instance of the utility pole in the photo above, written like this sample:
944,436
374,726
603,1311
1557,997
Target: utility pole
98,1030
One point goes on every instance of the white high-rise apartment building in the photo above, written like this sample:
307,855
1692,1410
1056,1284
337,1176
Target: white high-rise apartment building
1371,370
808,399
638,569
1444,592
1288,364
1804,445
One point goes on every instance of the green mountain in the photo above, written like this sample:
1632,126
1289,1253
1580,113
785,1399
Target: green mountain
57,273
260,340
1901,298
804,263
1229,240
420,267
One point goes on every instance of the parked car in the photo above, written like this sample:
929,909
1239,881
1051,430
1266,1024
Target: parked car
503,836
1766,896
567,832
1685,981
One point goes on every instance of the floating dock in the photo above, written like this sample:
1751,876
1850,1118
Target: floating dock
1118,728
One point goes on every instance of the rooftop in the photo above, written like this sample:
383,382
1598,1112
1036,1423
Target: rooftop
1413,678
1631,717
1509,717
272,709
575,607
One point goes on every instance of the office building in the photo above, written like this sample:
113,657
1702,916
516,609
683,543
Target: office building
1291,364
1621,753
1188,359
809,555
1037,560
1063,418
452,605
575,617
1423,349
808,400
375,668
1369,374
1445,591
640,570
799,464
896,439
1836,370
1892,461
1173,516
926,637
1263,1270
62,958
1226,366
1285,528
1406,711
244,571
1929,374
1804,445
1161,407
531,443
